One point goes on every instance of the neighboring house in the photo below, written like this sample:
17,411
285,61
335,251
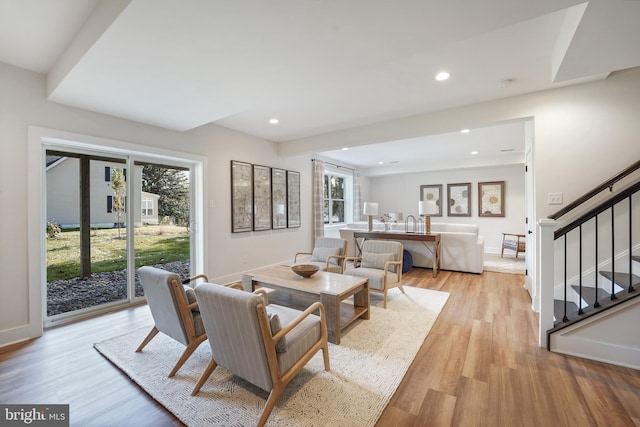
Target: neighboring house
149,211
63,190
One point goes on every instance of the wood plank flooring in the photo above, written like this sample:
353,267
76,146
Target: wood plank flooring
479,366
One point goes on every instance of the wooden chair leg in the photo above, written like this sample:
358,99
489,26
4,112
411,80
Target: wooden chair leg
325,356
187,352
401,288
271,403
205,375
154,331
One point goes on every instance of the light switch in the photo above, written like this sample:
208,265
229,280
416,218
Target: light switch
555,198
211,204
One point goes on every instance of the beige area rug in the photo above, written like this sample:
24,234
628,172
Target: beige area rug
366,369
506,264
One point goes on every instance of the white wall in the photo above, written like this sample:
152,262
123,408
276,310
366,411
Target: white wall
22,104
401,193
583,135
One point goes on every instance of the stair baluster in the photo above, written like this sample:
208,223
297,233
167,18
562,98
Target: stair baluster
631,288
596,303
613,255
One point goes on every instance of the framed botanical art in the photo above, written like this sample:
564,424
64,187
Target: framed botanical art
241,197
261,198
459,197
293,199
279,197
432,192
491,198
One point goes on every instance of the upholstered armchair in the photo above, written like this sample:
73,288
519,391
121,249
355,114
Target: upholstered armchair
381,263
174,310
267,345
328,254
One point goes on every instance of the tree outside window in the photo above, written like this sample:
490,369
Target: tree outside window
334,199
118,187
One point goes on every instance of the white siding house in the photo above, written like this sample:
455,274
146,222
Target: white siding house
63,190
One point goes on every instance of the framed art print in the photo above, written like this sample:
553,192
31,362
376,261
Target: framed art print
279,198
491,199
261,198
293,199
432,192
241,197
459,197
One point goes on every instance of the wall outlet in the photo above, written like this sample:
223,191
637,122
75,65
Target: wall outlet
555,198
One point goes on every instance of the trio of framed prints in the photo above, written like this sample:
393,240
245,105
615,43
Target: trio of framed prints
490,198
263,198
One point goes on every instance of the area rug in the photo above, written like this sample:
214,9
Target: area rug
507,264
366,368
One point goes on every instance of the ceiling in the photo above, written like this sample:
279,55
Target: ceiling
317,66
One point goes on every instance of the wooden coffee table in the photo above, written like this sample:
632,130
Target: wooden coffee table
331,289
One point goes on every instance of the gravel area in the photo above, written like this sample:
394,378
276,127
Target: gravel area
74,294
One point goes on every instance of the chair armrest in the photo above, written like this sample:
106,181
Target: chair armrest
390,263
286,329
235,285
356,260
338,262
295,258
191,279
263,292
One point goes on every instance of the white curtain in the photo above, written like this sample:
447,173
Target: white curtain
318,198
357,199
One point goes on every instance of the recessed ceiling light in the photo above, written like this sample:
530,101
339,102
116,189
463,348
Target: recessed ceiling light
474,153
274,121
443,75
345,148
464,131
381,163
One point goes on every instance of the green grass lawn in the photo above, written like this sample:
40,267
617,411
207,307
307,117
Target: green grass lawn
153,245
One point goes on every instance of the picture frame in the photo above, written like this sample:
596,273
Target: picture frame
459,199
491,199
432,192
241,197
261,198
293,199
279,198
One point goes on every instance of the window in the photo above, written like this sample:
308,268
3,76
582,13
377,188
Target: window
147,207
111,201
334,199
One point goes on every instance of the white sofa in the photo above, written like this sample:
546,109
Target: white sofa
461,248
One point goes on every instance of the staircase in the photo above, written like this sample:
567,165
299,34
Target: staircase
596,309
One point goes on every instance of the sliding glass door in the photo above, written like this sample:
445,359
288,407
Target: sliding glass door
106,216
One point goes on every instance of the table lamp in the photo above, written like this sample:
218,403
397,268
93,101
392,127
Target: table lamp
370,209
427,208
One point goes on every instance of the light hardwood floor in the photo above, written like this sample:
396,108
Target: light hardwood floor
479,366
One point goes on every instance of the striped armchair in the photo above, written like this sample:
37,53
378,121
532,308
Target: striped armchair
174,310
266,345
381,263
328,254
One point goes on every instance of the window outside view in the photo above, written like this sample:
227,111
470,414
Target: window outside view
86,241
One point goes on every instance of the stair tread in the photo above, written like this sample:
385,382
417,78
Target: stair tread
622,279
589,296
558,309
635,258
572,309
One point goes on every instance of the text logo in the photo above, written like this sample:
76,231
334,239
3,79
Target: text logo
34,415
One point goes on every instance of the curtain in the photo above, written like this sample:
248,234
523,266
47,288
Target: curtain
357,202
318,199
